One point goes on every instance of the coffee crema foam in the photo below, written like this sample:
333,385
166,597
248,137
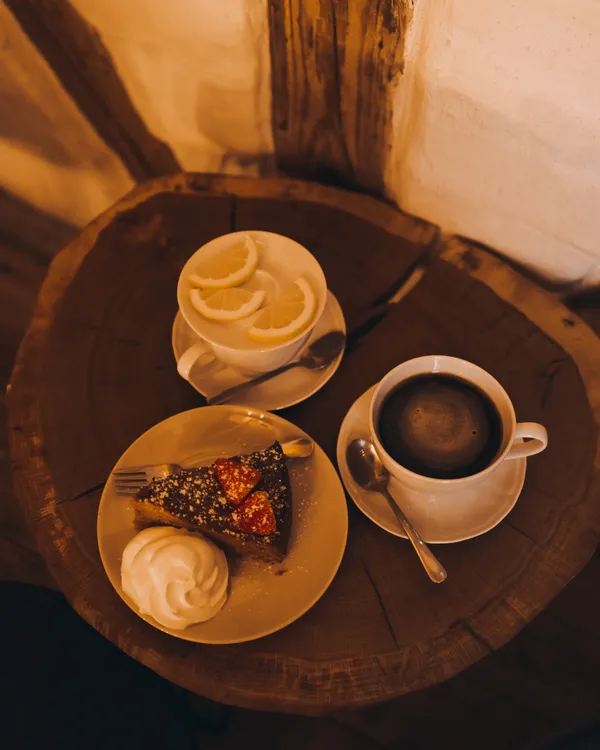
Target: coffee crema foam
440,426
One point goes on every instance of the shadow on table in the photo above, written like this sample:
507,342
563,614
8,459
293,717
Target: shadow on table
585,739
62,685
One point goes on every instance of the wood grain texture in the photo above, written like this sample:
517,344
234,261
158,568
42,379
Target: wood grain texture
82,63
96,369
538,688
543,685
19,560
334,64
28,239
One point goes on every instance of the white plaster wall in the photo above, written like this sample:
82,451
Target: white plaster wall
198,71
49,153
502,139
496,132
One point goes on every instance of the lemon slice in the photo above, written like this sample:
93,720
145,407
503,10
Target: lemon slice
226,305
228,268
286,316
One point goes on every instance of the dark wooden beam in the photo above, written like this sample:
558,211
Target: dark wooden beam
32,231
28,240
79,58
334,64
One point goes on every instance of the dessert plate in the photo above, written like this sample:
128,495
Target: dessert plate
263,597
282,391
439,518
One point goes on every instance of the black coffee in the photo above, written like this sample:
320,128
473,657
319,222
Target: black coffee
440,426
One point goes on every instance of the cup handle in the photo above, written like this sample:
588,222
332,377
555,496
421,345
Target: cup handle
193,356
536,444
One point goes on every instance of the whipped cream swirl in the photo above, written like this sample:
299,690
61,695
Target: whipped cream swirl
177,577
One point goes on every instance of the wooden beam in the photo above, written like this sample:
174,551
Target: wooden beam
28,241
25,227
334,64
82,63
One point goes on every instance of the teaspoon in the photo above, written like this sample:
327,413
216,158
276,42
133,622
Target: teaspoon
369,473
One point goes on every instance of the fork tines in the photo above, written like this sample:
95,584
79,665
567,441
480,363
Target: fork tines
131,472
129,487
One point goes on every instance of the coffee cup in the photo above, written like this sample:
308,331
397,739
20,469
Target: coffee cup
281,261
515,439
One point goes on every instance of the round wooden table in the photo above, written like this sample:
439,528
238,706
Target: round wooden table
96,369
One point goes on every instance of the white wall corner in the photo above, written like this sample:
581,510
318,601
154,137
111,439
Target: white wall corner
495,129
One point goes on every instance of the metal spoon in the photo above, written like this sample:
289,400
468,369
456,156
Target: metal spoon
368,472
318,355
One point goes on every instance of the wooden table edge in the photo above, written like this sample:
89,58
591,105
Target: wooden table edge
32,473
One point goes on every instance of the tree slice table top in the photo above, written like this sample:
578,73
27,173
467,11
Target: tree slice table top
96,369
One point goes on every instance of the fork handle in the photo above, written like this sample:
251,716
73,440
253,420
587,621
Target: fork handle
229,393
433,567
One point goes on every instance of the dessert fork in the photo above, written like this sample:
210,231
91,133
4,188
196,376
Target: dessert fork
129,480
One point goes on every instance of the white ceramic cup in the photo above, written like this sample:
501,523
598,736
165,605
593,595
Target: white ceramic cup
281,260
467,371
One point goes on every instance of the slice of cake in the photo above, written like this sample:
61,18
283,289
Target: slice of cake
244,502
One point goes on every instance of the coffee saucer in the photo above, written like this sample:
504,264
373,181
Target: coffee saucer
282,391
440,518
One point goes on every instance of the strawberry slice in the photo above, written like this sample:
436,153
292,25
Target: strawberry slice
255,515
237,480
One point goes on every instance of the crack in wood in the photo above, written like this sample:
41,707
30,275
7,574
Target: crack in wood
417,269
474,634
491,325
362,329
520,531
7,537
396,287
514,345
381,602
408,280
565,507
85,493
549,375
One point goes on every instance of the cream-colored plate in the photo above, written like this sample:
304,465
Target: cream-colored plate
283,391
263,598
440,518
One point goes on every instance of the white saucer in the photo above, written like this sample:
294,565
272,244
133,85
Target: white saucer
284,390
440,518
